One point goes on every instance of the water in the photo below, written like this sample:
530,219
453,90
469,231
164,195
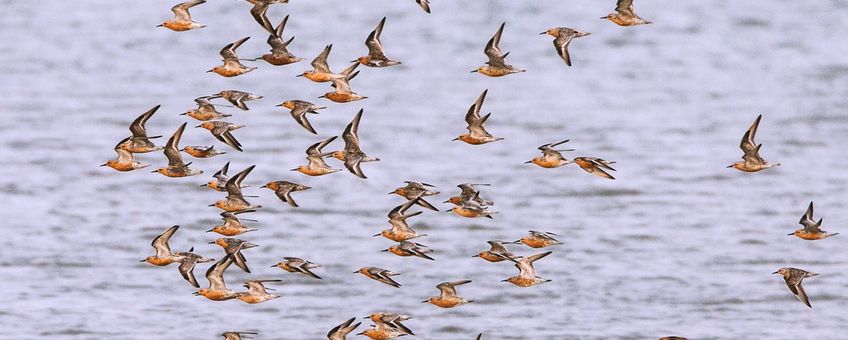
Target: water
678,244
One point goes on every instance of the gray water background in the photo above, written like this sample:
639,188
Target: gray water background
678,244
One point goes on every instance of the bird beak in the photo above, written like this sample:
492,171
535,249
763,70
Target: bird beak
279,105
211,205
790,234
375,235
425,301
473,71
198,126
730,166
104,164
155,171
299,75
543,33
160,25
203,185
145,260
528,162
774,273
183,114
209,231
293,170
384,250
208,71
273,266
455,139
213,242
448,201
603,17
264,186
505,280
478,255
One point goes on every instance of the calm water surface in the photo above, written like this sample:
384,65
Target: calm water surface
678,244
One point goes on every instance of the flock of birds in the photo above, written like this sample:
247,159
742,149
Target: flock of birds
468,203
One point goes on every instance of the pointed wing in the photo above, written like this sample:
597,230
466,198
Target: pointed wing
492,49
320,62
160,243
748,145
233,185
561,45
473,115
425,5
137,126
181,10
375,47
625,7
229,51
172,149
351,134
186,269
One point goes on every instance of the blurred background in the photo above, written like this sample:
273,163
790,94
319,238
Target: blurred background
677,245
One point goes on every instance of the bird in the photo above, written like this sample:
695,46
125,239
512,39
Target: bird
409,248
595,166
416,189
472,209
233,247
563,36
219,179
392,320
182,18
125,160
235,199
400,230
218,290
197,151
279,54
382,331
237,98
260,7
232,225
343,93
469,192
163,256
205,110
298,265
793,278
232,66
425,5
140,141
379,275
812,229
496,66
187,262
352,154
320,70
256,292
751,159
221,131
299,109
317,166
176,167
283,190
625,16
526,273
497,252
376,57
551,158
341,331
448,297
477,134
539,239
237,335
